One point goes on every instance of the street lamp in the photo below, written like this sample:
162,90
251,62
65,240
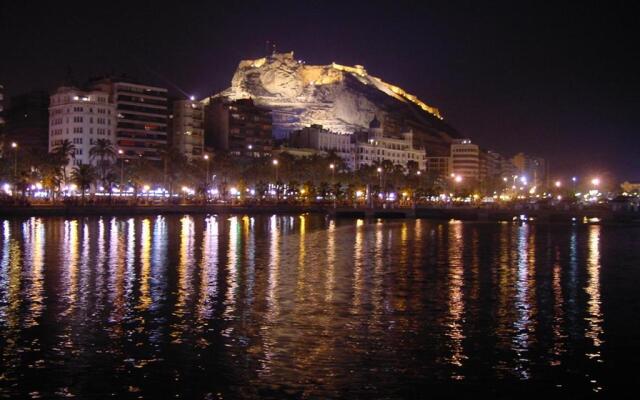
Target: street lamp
595,181
456,179
275,164
558,184
120,153
333,182
14,146
206,179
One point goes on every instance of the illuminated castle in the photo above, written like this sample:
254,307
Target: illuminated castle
341,98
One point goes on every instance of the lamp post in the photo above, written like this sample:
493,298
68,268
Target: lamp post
275,164
14,146
380,176
333,182
456,179
120,153
206,178
414,195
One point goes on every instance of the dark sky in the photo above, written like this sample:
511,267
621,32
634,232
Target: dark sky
548,78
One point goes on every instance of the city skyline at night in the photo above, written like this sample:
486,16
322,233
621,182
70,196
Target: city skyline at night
319,199
511,77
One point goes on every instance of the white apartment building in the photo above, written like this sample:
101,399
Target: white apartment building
316,138
82,117
188,128
378,147
362,148
465,159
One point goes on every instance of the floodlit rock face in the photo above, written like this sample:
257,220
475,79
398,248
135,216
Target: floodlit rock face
340,98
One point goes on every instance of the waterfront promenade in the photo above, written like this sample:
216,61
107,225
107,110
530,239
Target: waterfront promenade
436,212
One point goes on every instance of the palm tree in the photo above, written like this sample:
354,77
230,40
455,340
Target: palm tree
51,174
110,180
84,176
173,162
65,151
105,152
137,172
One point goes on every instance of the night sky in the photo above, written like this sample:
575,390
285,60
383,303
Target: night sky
550,79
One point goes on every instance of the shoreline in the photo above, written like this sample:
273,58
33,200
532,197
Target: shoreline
434,213
97,210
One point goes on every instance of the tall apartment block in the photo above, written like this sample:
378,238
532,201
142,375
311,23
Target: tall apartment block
239,127
141,117
533,168
465,159
82,117
188,128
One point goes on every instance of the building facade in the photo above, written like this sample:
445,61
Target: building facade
142,117
319,139
362,148
188,128
377,147
534,169
465,160
239,127
81,117
438,167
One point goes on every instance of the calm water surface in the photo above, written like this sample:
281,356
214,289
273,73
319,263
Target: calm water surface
306,307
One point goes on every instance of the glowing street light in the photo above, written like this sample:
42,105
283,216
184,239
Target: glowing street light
595,181
333,182
456,179
121,153
206,179
14,146
558,184
275,164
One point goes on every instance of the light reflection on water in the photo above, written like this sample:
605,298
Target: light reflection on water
298,306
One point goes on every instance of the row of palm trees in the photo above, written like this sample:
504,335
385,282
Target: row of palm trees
319,174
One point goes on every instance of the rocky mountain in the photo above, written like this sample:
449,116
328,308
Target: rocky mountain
340,98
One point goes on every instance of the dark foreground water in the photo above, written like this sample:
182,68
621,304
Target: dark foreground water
305,307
